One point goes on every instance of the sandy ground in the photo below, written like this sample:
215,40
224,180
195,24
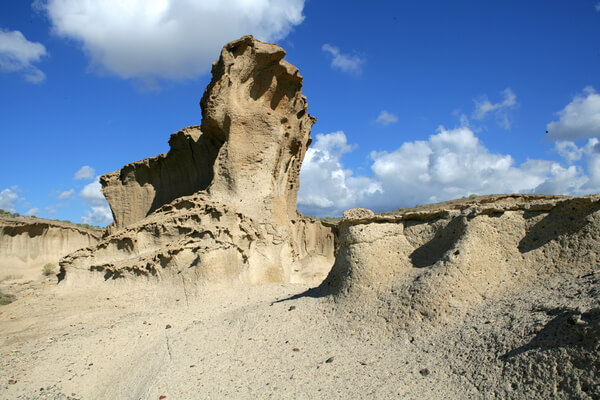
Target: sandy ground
268,341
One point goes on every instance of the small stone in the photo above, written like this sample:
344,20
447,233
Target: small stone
329,360
168,326
295,349
424,372
292,308
357,213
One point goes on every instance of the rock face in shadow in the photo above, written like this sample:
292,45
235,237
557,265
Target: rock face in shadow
26,244
140,188
221,204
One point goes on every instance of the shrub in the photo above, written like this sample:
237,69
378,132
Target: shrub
49,269
472,196
6,299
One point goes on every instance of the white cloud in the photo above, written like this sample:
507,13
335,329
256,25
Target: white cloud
85,172
66,194
483,107
100,215
92,193
568,150
451,164
351,64
31,212
448,165
386,118
579,119
8,197
326,187
100,212
171,39
18,54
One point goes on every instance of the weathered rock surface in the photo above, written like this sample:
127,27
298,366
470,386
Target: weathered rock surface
221,205
505,289
434,263
139,188
200,240
255,125
26,244
254,104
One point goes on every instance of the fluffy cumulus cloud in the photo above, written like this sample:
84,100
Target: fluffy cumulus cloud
579,119
8,198
327,188
99,213
17,54
484,107
85,172
171,39
349,63
386,118
452,163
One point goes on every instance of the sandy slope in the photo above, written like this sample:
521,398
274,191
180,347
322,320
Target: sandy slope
280,341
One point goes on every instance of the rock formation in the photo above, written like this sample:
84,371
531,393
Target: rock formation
255,125
440,261
26,244
221,204
141,187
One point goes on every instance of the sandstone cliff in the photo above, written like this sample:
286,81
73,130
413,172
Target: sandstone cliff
441,261
221,204
26,244
139,188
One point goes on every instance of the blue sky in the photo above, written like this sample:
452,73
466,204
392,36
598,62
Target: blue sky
416,101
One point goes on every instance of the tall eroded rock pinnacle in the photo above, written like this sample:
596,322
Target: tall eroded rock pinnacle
255,105
255,125
221,204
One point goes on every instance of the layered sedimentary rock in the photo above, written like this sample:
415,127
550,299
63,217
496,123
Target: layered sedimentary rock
222,203
198,239
139,188
29,243
439,262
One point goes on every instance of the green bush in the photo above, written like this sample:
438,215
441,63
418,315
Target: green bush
6,299
472,196
49,269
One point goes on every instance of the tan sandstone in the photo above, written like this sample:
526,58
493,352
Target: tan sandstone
221,204
27,244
